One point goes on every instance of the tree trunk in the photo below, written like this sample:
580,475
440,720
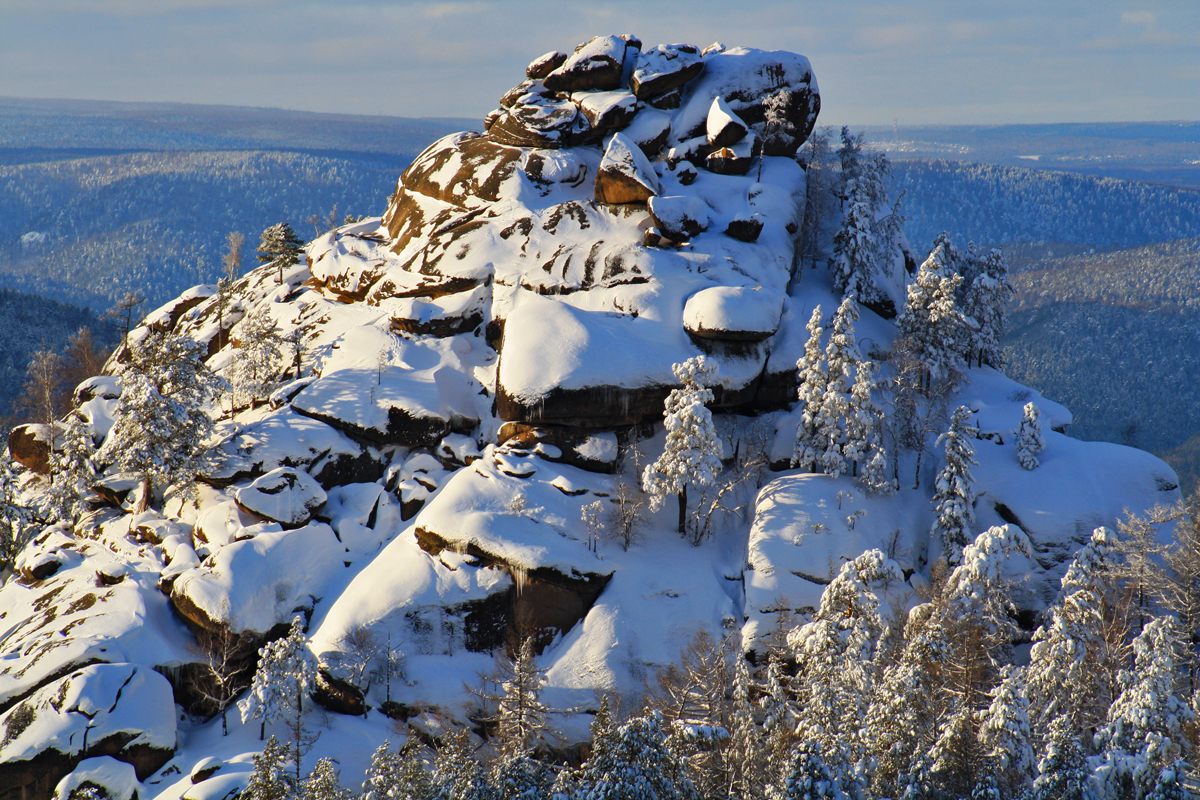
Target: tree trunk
683,510
144,500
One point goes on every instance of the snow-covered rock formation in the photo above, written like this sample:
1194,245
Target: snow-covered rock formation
463,377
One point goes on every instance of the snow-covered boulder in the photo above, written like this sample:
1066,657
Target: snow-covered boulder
734,313
597,64
664,68
249,587
115,779
285,495
119,710
625,174
29,446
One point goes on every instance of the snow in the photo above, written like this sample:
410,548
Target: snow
735,309
285,495
255,584
723,124
117,778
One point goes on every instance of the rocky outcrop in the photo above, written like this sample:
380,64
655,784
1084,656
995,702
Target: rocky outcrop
29,446
625,174
118,710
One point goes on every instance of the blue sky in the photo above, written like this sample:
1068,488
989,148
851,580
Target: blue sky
933,61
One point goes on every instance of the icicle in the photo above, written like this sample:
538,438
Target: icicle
520,578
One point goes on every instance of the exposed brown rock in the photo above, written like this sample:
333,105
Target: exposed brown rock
29,446
596,65
543,65
728,162
744,229
665,68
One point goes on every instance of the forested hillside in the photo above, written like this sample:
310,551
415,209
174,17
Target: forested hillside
997,205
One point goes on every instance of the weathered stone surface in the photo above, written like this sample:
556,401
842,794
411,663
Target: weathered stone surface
667,101
286,495
723,127
115,779
29,446
735,160
625,175
680,217
664,68
744,229
596,65
543,65
595,451
606,111
539,121
459,169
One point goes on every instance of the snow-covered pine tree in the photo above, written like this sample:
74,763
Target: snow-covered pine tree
162,426
1147,723
1072,673
397,776
286,674
835,658
954,491
931,323
746,752
521,716
633,763
323,784
1029,438
15,517
457,772
864,433
841,359
1170,784
1005,734
809,777
271,778
72,468
257,360
869,237
692,456
778,724
988,292
521,777
812,378
281,245
1063,773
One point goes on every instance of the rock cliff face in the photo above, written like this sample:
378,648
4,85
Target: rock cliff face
474,370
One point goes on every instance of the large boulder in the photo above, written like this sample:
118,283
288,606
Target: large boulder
29,446
664,68
625,174
596,65
287,496
734,313
123,711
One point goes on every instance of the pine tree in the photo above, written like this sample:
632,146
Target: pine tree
73,469
258,359
1170,783
1071,676
15,517
779,725
521,777
162,426
457,773
634,763
809,777
868,239
813,380
835,657
746,752
521,717
280,245
692,456
285,675
841,359
1062,772
931,321
1146,724
988,292
954,495
323,784
270,779
1006,736
397,776
1029,438
865,435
